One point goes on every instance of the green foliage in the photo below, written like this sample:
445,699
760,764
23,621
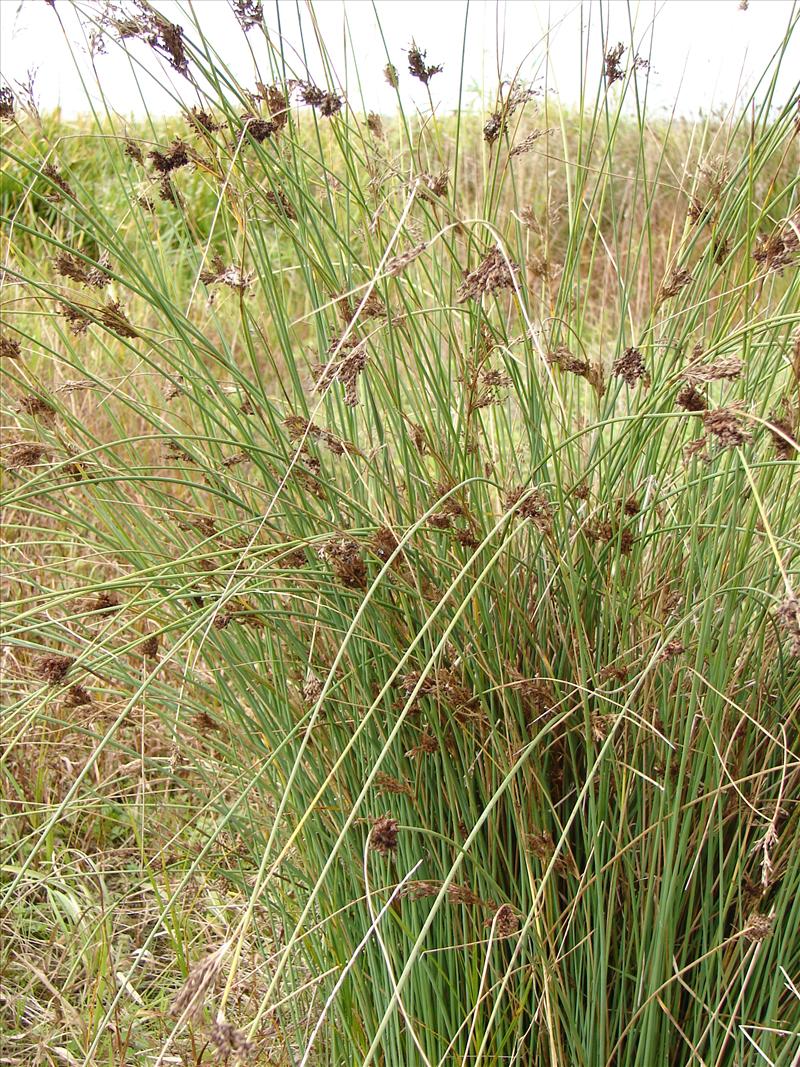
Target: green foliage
427,548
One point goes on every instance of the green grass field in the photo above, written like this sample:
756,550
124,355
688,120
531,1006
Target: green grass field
401,561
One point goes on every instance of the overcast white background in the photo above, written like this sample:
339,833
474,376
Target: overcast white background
705,53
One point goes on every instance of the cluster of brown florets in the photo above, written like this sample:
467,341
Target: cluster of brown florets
444,687
788,615
527,142
432,185
456,894
346,369
150,645
607,533
426,745
450,509
232,276
173,158
249,13
565,360
677,279
630,366
385,783
77,320
384,544
417,67
383,836
278,199
531,503
494,272
277,101
690,399
397,264
19,454
163,36
37,407
725,425
540,844
6,104
300,429
779,249
506,921
9,347
95,276
53,668
497,123
725,368
784,428
114,319
612,64
323,100
343,555
202,122
54,175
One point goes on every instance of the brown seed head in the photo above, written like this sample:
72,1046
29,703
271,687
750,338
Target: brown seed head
344,557
149,646
54,668
788,615
532,504
6,105
106,602
432,185
726,425
630,367
375,125
53,174
493,127
417,67
397,264
176,156
249,13
671,650
384,783
383,836
778,250
612,64
494,272
677,279
114,319
9,347
506,921
190,999
346,370
567,361
690,399
24,454
231,1045
384,543
312,689
758,927
37,407
784,426
77,696
600,726
727,368
527,143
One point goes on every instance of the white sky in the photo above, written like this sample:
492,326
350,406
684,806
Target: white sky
705,53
